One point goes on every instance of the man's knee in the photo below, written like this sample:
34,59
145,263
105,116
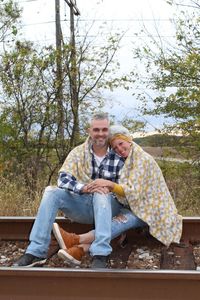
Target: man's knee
104,200
50,188
52,194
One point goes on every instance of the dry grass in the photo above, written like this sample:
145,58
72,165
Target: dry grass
182,179
183,182
15,199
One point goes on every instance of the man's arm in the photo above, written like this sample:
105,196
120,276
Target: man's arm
69,182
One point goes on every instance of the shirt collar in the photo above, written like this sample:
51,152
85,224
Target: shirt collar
92,151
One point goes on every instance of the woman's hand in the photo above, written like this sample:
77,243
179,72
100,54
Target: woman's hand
100,183
101,186
88,188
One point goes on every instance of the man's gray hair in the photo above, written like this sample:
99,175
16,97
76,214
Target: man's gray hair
100,116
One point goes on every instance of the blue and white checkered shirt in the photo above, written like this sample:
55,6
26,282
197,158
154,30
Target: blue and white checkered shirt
108,169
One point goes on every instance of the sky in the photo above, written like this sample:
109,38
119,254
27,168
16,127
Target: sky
38,25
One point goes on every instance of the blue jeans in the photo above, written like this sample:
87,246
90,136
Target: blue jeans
94,209
128,221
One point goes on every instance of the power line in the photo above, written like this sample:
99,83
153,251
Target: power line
26,1
104,20
94,36
128,20
41,23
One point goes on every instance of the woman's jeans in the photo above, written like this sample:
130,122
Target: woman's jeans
97,209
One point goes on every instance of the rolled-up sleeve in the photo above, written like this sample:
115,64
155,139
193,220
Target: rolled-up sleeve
69,182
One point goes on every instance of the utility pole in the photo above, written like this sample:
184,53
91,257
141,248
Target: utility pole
59,81
73,74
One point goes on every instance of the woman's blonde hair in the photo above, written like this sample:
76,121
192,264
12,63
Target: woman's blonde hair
120,132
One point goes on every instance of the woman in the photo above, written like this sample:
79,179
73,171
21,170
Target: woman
143,192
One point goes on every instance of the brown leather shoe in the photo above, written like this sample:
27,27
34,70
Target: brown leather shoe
72,255
65,239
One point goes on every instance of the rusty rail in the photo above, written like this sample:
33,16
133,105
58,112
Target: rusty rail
16,228
19,284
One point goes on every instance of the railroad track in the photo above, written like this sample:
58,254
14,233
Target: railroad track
109,284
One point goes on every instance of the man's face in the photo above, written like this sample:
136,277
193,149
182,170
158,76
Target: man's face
98,132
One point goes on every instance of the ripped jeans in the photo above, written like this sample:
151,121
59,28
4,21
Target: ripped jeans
97,209
123,221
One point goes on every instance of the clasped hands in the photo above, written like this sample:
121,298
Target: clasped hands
101,186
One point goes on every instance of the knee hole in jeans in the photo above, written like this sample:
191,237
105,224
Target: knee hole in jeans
120,218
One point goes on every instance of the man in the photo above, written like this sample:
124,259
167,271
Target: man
85,163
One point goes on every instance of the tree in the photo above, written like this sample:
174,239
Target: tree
29,118
9,17
28,110
173,71
95,70
133,125
173,75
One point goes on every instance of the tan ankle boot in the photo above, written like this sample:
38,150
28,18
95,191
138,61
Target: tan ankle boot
72,255
65,239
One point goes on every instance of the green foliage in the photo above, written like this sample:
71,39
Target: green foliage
9,17
133,125
174,73
159,140
28,112
36,102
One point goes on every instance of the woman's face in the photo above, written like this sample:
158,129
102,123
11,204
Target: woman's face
121,147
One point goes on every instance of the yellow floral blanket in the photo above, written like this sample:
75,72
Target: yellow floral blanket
78,163
148,196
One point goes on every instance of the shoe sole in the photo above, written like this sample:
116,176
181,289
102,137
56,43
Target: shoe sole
99,266
68,258
35,264
58,236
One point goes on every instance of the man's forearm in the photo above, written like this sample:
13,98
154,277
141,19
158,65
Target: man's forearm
69,182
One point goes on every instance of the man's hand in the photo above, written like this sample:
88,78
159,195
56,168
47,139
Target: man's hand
99,184
90,189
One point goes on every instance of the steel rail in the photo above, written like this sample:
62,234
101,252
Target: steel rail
16,228
51,284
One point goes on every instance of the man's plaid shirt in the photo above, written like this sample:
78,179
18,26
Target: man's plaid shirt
109,169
